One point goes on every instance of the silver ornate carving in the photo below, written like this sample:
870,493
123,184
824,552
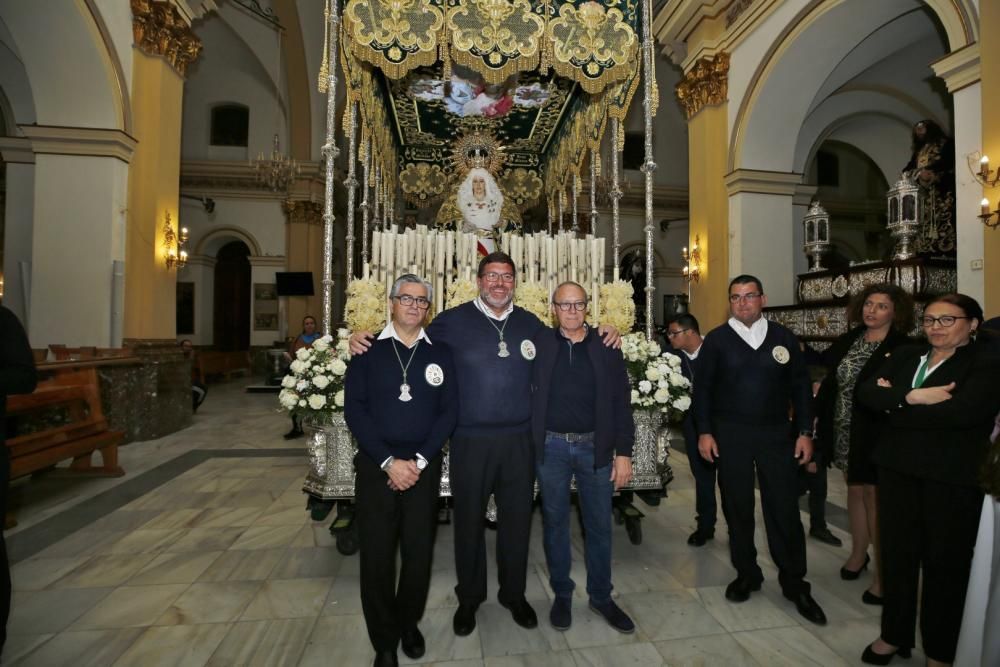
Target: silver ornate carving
816,228
365,168
351,184
815,289
576,198
616,195
593,192
905,215
330,152
648,165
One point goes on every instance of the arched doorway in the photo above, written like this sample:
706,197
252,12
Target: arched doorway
231,303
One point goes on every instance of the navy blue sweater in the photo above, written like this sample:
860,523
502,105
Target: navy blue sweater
737,383
495,394
385,426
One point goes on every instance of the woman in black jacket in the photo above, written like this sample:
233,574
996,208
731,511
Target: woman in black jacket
940,401
847,432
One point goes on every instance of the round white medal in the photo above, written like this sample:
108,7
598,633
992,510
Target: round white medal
527,349
434,375
780,354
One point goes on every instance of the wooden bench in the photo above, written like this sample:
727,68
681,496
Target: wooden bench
213,362
68,422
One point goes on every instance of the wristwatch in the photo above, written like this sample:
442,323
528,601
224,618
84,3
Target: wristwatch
421,462
387,464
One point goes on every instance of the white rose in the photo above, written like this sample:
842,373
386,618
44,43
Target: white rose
297,367
343,346
338,367
288,399
316,401
635,396
652,374
321,381
322,344
677,379
682,403
288,381
674,361
645,386
302,403
652,348
661,396
338,399
302,353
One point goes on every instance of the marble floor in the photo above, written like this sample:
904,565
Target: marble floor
204,554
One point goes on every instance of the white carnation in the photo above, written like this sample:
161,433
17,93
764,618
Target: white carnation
338,399
338,367
288,399
682,403
297,367
677,380
645,386
321,381
316,401
288,381
662,396
302,353
302,403
635,396
652,348
322,344
673,360
652,374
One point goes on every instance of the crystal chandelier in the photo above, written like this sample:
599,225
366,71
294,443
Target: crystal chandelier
276,170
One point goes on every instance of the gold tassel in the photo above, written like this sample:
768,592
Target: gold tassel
324,66
445,53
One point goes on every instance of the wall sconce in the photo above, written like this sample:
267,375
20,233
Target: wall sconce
988,178
988,218
174,253
692,261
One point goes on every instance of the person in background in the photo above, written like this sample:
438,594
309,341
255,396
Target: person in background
581,422
17,376
847,431
401,404
685,338
198,390
940,401
303,340
813,474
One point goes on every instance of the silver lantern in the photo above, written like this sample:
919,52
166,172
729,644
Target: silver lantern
904,217
816,227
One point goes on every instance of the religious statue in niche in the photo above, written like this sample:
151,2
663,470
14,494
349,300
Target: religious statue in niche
467,94
479,206
932,168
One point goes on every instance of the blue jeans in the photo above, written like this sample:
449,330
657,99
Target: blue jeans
562,460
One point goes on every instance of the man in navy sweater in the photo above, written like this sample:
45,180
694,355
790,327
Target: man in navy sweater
751,372
401,404
583,428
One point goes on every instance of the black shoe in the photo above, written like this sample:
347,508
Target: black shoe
561,614
739,589
294,433
386,659
615,617
870,657
870,598
808,608
413,643
699,537
825,536
851,575
465,620
522,613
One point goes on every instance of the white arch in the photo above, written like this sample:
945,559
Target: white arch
210,244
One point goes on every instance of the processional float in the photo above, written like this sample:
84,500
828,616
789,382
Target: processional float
513,95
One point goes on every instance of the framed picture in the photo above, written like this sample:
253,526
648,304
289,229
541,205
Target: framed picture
265,307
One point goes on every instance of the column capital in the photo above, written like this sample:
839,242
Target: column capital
304,212
959,68
89,141
762,182
159,29
705,84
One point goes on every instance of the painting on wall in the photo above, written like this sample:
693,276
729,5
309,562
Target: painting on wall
265,307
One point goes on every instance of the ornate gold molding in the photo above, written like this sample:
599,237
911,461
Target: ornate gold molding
159,30
304,212
707,83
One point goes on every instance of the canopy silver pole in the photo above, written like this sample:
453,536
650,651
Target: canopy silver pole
330,153
593,192
648,166
616,195
351,184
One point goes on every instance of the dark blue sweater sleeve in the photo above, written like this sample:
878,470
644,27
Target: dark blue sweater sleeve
621,395
701,405
357,410
801,386
448,416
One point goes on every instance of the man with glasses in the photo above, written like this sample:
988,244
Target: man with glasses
582,426
685,337
750,373
401,404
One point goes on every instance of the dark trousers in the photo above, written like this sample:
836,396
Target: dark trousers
704,481
932,526
768,449
503,465
389,519
815,485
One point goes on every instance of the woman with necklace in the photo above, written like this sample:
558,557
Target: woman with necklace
847,432
940,399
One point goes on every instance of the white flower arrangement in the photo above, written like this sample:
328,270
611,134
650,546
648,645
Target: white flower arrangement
534,298
617,306
655,376
461,291
365,308
314,386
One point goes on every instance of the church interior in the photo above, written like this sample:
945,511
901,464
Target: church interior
215,171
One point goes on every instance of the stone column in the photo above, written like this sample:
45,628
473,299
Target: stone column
989,25
304,252
702,94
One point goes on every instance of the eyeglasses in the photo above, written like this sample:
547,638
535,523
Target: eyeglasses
749,296
671,334
570,305
493,277
407,300
945,320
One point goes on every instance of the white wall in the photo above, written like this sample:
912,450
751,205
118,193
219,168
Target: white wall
18,226
670,139
762,242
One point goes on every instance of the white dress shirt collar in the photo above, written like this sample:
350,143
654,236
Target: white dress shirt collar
754,334
390,332
486,310
692,355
